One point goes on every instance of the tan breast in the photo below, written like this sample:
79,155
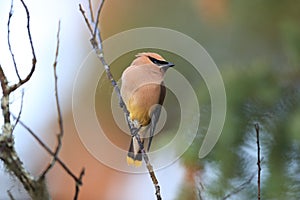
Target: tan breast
141,89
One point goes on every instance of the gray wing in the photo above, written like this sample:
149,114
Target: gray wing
155,114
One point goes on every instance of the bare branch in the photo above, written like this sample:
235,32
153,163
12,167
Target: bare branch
96,28
86,19
239,188
97,46
11,197
27,78
5,100
78,185
60,120
91,11
36,188
243,185
8,39
200,189
4,82
258,160
20,111
62,164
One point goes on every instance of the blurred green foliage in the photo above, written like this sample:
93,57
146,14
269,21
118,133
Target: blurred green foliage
256,45
261,88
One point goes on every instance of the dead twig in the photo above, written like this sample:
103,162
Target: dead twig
77,185
20,111
27,78
96,27
239,188
60,120
11,197
61,163
8,39
86,19
36,188
91,11
258,160
96,43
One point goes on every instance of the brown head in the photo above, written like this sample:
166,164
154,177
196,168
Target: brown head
152,58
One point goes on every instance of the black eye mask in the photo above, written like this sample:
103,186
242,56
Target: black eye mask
158,62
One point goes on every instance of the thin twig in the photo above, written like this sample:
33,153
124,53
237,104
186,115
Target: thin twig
62,164
96,28
200,189
86,19
20,111
97,46
60,120
27,78
8,39
240,187
78,185
91,11
11,197
258,160
59,113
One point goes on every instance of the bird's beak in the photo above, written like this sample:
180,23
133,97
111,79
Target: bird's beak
170,64
166,66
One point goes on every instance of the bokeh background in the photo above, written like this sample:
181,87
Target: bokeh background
255,44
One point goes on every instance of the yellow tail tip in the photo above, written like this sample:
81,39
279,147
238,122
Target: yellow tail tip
131,161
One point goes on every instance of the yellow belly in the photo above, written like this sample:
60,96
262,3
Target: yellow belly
139,114
141,102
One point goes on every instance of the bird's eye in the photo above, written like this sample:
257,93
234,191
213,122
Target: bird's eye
158,62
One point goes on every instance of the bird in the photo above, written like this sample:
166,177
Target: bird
143,92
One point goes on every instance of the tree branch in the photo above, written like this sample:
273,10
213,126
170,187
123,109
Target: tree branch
36,188
97,46
239,188
20,112
77,184
8,39
61,163
5,101
27,78
258,160
91,11
60,120
86,19
11,197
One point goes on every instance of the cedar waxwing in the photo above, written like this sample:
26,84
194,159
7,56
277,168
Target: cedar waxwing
143,92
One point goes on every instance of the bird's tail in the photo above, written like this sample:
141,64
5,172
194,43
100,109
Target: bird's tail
134,156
